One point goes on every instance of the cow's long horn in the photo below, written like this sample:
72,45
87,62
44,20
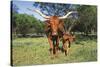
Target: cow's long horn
44,16
63,17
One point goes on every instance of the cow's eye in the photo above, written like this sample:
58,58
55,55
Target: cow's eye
49,26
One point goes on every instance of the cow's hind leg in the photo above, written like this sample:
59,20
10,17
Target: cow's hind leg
54,48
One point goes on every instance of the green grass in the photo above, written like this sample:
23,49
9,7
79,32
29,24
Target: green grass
32,51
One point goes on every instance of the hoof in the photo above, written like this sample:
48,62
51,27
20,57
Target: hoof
66,53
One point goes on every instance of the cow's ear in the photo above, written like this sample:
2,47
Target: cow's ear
47,22
61,26
61,22
47,25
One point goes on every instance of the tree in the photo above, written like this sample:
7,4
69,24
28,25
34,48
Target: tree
71,22
24,23
52,9
88,18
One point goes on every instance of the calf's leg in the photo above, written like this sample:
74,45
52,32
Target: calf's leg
66,47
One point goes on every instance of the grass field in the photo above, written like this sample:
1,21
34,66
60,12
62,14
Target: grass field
33,51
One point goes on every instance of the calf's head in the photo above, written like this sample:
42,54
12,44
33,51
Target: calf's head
69,37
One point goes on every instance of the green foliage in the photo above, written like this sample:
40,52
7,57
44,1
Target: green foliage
86,22
87,18
25,24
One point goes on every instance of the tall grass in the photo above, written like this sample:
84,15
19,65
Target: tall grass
32,51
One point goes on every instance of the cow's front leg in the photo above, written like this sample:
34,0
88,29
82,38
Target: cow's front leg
51,46
57,46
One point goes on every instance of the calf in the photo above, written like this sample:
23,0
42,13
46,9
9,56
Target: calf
67,40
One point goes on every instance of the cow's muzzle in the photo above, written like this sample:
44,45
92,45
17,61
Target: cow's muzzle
54,34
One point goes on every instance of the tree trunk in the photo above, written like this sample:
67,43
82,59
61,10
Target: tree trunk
70,28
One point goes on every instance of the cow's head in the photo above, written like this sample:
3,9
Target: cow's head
53,22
